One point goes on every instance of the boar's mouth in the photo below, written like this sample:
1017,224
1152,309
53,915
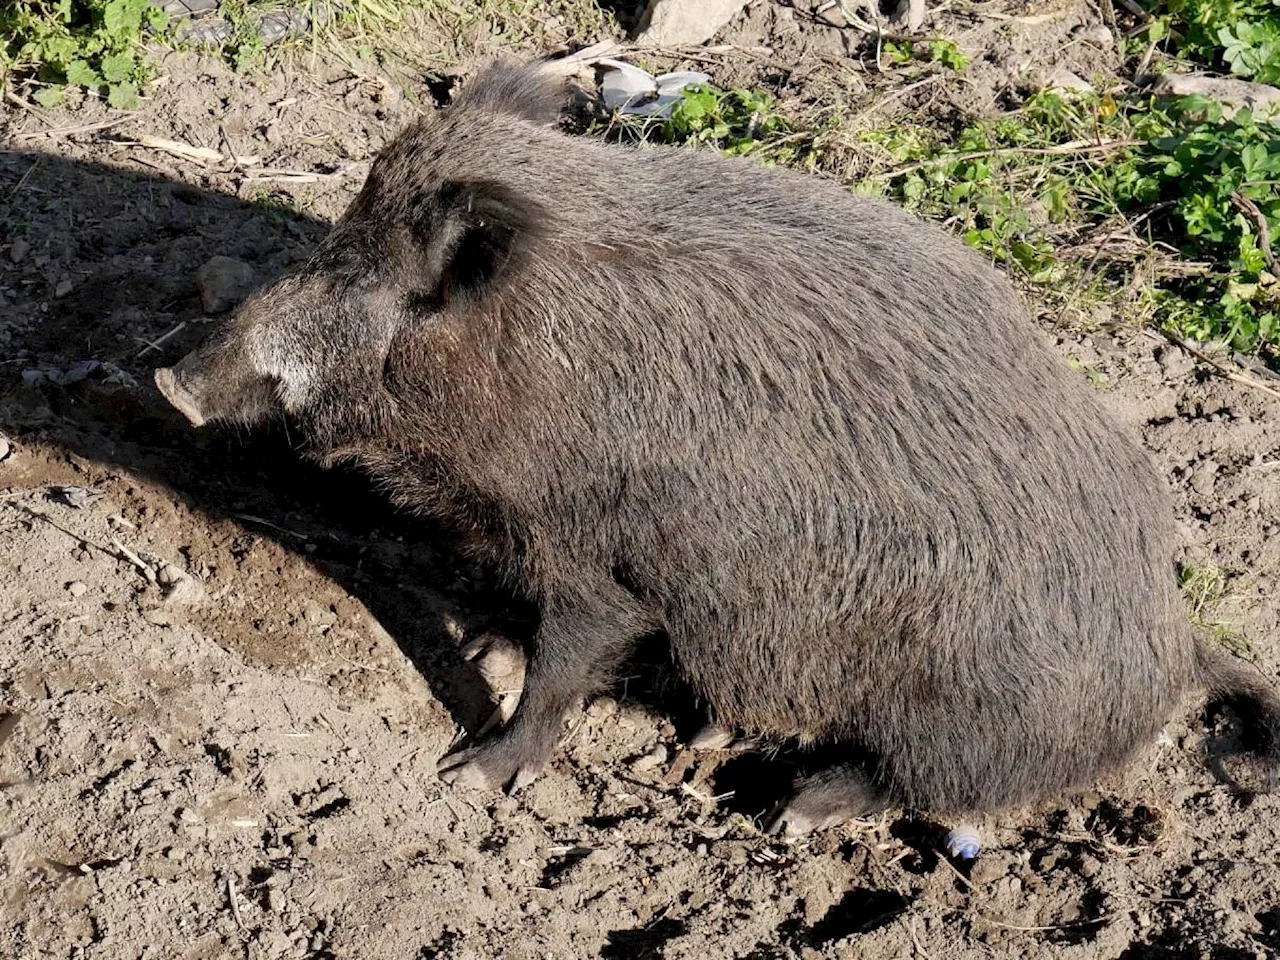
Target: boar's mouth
179,396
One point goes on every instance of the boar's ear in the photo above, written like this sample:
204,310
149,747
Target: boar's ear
466,239
519,90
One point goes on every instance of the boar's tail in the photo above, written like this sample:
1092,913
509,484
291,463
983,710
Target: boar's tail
1236,684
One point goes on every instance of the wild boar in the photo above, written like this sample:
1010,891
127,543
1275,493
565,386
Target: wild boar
814,440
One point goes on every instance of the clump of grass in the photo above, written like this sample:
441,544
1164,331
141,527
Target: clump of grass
1205,590
96,45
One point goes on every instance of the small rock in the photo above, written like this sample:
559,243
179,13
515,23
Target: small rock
1262,99
654,758
168,575
75,497
77,589
180,589
1162,406
602,707
158,617
223,283
315,614
175,853
63,288
1203,477
832,17
677,23
18,249
1099,34
1176,363
1065,80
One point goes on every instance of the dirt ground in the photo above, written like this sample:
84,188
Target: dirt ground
226,677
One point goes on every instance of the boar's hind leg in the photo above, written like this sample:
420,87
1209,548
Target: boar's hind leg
827,799
579,644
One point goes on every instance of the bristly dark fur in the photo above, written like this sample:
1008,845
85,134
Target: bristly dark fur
815,440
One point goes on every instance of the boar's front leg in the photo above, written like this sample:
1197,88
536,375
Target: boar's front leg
580,642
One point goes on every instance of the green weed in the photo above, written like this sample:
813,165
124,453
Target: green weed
937,50
1242,36
736,122
94,44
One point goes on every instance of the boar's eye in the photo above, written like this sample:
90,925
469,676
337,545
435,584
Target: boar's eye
466,240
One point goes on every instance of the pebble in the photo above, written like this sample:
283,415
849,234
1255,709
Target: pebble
1062,79
77,589
223,283
76,497
186,591
654,758
315,614
1203,477
1175,362
676,23
63,288
18,249
168,575
1098,34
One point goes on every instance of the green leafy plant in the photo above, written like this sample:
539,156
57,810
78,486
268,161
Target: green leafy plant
737,122
938,50
94,44
1026,186
1242,36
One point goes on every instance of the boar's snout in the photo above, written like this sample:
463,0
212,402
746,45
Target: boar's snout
188,386
169,380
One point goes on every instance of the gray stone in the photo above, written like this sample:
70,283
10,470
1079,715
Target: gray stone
682,23
223,283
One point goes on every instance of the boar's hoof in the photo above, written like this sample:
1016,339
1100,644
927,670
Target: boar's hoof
713,736
488,767
500,661
827,800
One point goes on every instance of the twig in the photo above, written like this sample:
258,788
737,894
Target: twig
235,907
1105,918
274,526
294,176
18,101
1232,375
915,940
133,558
1136,10
1075,146
155,344
202,156
54,132
944,858
185,151
1250,210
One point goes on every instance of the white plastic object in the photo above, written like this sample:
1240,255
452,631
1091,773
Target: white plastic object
963,842
630,90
